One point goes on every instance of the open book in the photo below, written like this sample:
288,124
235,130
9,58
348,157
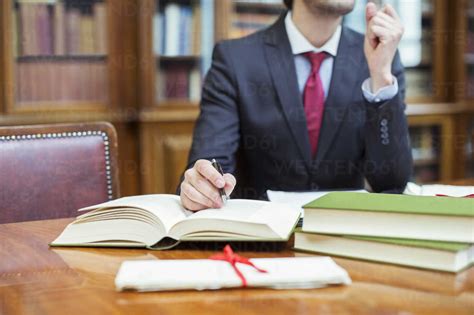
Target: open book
160,222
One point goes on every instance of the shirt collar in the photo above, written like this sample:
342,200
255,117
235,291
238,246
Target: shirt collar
300,45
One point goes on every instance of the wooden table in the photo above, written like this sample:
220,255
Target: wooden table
36,279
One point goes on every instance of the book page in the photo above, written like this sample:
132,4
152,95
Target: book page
234,209
241,218
165,207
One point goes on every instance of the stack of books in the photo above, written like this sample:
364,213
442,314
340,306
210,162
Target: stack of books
419,231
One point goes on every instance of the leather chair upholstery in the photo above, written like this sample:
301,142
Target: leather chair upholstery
50,171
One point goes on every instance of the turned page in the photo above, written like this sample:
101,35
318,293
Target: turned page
167,208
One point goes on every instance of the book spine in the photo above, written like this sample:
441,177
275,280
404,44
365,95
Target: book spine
172,14
44,30
87,35
207,33
100,28
73,31
177,82
157,33
196,30
59,29
195,85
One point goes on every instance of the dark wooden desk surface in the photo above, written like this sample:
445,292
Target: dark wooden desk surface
35,279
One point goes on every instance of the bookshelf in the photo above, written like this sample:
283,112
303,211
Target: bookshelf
176,39
69,61
469,151
154,112
57,55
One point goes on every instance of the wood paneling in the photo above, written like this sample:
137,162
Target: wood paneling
165,140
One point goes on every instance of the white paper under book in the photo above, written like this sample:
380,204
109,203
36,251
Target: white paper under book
206,274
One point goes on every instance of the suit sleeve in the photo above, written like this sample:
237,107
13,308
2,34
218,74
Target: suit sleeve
217,131
388,161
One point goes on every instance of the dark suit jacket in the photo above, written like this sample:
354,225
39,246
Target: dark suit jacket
253,122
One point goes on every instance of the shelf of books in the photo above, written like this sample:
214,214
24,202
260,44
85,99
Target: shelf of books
251,16
183,39
59,49
418,48
469,51
426,151
469,151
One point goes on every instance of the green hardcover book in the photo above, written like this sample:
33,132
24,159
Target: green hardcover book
398,216
444,256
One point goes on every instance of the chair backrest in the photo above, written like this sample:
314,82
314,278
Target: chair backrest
50,171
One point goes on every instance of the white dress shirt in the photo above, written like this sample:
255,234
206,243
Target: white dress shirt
300,45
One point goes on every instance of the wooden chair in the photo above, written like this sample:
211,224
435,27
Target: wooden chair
50,171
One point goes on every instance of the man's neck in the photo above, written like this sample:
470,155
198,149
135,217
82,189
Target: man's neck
317,28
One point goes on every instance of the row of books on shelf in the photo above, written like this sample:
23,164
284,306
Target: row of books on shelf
177,30
244,24
61,81
179,81
423,143
55,29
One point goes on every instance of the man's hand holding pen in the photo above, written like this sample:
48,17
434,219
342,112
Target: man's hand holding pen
201,185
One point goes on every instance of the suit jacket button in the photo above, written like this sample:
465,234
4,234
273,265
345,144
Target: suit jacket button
385,141
384,122
384,135
384,129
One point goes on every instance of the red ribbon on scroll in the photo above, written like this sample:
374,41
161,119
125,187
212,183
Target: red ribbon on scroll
229,256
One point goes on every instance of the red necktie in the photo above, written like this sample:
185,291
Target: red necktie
314,100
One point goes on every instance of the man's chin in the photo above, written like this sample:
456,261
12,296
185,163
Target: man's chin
330,7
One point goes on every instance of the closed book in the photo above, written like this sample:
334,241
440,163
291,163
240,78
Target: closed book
44,30
196,31
177,81
172,25
160,222
184,30
443,256
27,28
100,28
87,35
195,85
208,274
384,215
59,26
73,31
157,33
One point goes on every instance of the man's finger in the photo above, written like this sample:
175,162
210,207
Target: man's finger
382,33
391,11
382,22
202,185
195,196
230,183
370,11
206,169
383,16
192,206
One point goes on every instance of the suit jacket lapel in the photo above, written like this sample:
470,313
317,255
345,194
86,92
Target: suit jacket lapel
282,68
341,91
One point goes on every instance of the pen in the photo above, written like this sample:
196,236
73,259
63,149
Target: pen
218,167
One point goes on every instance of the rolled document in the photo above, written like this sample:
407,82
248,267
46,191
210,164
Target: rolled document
207,274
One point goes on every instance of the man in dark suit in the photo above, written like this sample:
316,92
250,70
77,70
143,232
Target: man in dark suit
306,104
